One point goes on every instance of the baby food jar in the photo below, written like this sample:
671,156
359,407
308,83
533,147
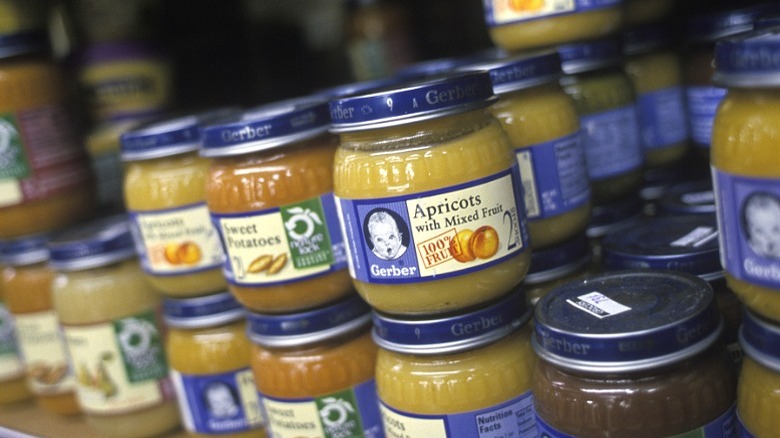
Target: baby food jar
13,385
632,353
516,25
556,265
208,351
656,74
315,371
115,343
606,102
758,391
687,243
270,196
429,196
165,192
543,127
465,375
45,180
26,282
746,168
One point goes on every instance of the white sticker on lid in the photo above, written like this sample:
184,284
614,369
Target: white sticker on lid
697,237
598,305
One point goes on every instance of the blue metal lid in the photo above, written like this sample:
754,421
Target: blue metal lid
559,260
720,23
200,312
412,102
168,136
760,339
451,334
590,55
266,127
605,217
23,251
748,60
22,43
765,21
98,243
520,72
647,38
695,197
684,243
626,321
309,327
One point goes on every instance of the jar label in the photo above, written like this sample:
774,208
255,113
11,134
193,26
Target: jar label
514,418
120,365
10,362
696,237
353,412
598,305
218,403
749,220
611,141
703,103
43,349
554,176
743,430
725,426
435,234
39,155
107,168
662,119
284,244
176,241
133,88
499,12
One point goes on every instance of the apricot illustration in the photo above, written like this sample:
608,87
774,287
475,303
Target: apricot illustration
460,248
484,242
189,253
172,253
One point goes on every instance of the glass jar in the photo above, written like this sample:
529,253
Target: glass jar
269,192
606,103
429,195
556,265
165,192
45,180
746,168
315,371
516,25
464,375
632,353
647,11
758,392
115,343
26,282
687,243
208,351
543,127
656,74
13,384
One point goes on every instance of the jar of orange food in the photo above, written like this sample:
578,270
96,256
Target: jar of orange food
270,195
429,195
164,191
208,351
746,167
315,371
45,180
110,319
26,283
516,25
758,390
13,386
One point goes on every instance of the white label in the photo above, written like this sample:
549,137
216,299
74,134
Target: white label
598,305
44,353
527,177
290,420
697,237
401,426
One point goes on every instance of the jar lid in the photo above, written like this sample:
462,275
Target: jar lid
557,261
412,102
266,127
22,43
605,217
23,251
720,23
455,333
748,60
200,312
591,55
168,136
766,21
684,243
647,38
98,243
520,72
626,321
760,339
688,198
309,327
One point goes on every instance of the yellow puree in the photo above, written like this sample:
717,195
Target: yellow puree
166,183
745,136
758,398
105,294
419,157
13,389
458,382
